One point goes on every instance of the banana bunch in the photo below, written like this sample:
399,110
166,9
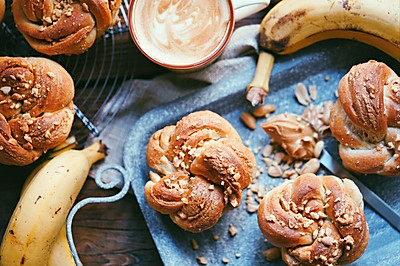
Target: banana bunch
36,233
294,24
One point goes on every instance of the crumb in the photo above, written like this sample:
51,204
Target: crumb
195,246
202,260
272,253
215,237
232,230
225,260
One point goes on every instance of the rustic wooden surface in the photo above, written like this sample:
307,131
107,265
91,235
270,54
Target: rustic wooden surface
105,234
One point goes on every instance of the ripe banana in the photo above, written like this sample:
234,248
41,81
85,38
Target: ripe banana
291,25
68,144
294,24
60,254
44,205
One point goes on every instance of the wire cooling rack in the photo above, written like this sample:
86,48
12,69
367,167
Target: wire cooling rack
102,75
103,78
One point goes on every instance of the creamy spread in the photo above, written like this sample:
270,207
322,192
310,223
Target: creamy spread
180,32
294,134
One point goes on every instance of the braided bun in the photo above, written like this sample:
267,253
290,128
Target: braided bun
202,169
36,108
64,26
366,119
315,220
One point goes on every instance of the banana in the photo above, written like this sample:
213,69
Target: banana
60,254
294,24
259,87
68,144
44,205
291,25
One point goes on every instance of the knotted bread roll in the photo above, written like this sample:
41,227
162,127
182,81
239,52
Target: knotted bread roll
2,9
315,220
366,119
56,27
202,169
36,108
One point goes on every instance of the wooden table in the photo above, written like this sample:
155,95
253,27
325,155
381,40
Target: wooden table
104,234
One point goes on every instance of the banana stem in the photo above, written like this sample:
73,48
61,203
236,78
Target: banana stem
259,87
95,152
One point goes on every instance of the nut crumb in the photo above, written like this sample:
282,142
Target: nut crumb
275,171
264,110
13,141
85,7
202,260
195,246
313,92
301,94
312,166
319,146
248,120
232,230
6,90
272,253
51,74
225,260
267,151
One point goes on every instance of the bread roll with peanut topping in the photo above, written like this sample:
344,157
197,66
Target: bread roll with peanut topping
366,119
202,168
36,108
56,27
315,220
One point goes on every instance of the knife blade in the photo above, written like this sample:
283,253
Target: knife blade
373,200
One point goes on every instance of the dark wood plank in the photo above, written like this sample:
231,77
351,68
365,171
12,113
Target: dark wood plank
112,233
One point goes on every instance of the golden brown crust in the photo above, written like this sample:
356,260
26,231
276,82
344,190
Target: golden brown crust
36,108
208,151
203,208
366,119
64,26
2,9
315,220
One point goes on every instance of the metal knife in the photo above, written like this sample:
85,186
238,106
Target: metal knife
373,200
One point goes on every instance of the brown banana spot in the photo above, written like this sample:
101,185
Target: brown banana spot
279,45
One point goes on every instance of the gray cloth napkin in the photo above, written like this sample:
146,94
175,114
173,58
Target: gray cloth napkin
145,95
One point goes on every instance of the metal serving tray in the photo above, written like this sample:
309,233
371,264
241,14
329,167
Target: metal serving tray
311,65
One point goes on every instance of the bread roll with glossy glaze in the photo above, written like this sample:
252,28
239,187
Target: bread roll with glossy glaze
315,220
36,108
202,168
366,119
68,27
